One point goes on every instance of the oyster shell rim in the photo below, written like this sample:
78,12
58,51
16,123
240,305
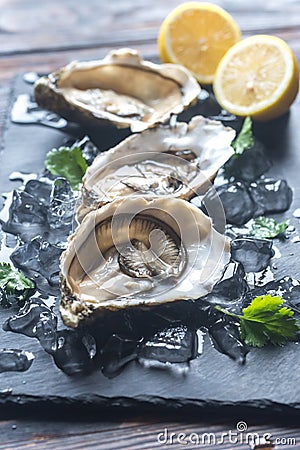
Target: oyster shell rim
75,310
128,146
48,95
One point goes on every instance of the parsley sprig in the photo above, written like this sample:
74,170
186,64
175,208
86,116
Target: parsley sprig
244,139
268,228
13,282
266,320
67,162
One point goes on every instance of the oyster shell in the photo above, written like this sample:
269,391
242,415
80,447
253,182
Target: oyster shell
139,253
121,89
178,161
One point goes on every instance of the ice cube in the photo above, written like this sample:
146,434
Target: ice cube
90,344
3,299
250,165
232,286
173,313
205,314
117,352
89,150
241,203
45,332
236,200
62,205
41,190
253,254
11,241
255,279
173,345
234,232
288,288
226,339
72,355
271,196
211,205
12,360
39,257
27,216
37,320
132,324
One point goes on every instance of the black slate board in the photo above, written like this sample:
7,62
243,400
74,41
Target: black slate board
270,379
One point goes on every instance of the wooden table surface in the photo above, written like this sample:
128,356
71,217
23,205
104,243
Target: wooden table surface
44,35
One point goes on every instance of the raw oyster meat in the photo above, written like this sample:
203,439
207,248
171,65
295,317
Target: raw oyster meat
135,252
178,161
121,89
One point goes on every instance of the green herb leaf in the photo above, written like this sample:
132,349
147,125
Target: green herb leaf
265,227
68,163
14,282
266,320
245,138
270,319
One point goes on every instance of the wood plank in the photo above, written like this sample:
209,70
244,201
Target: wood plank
44,63
141,434
27,27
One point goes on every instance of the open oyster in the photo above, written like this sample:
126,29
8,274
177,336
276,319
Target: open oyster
120,89
137,252
178,161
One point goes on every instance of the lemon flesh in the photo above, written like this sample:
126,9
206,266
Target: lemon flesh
257,77
197,35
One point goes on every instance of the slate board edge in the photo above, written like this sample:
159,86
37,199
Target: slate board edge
10,403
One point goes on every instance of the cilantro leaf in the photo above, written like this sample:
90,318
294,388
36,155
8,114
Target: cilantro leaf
271,319
68,163
253,334
13,282
244,139
266,320
265,227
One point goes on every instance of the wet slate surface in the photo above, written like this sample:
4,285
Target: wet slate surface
269,379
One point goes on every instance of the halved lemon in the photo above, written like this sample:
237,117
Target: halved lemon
257,77
197,35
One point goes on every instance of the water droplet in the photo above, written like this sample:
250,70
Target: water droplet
296,239
15,176
277,253
30,77
60,342
296,213
200,335
290,228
